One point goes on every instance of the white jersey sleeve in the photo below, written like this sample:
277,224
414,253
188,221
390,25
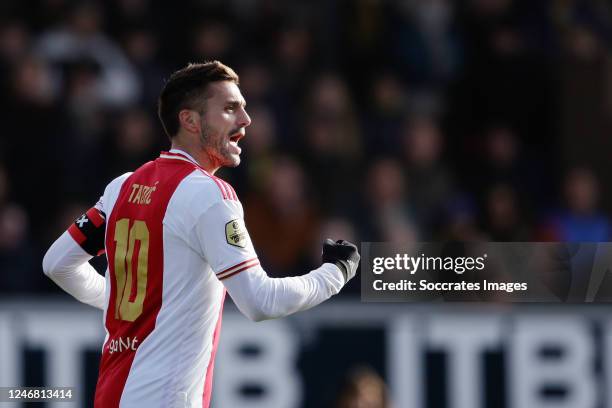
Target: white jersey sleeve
260,297
66,261
225,243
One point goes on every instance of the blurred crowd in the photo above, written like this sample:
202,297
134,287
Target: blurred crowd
373,120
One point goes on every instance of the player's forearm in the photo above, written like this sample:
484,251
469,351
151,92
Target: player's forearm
65,263
260,297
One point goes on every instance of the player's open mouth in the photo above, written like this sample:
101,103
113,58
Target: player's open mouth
233,141
236,137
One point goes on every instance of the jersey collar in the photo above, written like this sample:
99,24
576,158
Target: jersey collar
178,154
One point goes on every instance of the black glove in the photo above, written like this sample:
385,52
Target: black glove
342,254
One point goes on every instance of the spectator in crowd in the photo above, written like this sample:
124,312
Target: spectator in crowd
80,39
429,179
580,220
389,100
427,50
212,39
506,159
283,220
14,41
135,139
504,220
16,252
142,49
385,200
363,388
332,139
17,258
460,220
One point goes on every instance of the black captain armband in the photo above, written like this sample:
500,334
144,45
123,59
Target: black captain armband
88,231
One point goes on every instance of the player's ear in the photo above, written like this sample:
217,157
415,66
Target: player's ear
190,120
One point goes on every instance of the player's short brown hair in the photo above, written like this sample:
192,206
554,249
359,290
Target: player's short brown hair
186,87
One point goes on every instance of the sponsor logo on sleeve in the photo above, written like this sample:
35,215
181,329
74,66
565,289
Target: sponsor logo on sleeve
235,233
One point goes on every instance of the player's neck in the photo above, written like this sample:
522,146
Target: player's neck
199,155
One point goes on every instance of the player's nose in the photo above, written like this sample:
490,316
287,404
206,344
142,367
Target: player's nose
245,119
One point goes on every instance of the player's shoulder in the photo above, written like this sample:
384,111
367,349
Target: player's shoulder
201,193
208,188
117,182
111,192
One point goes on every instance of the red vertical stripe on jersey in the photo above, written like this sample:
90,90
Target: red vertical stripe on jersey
225,189
211,363
230,191
221,187
115,366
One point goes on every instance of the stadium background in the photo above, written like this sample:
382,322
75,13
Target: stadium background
373,120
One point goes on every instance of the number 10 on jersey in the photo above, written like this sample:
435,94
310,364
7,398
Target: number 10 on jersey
126,239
